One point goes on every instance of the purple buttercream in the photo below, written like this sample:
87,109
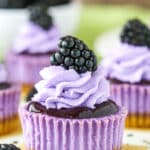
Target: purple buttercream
33,39
62,88
129,64
3,74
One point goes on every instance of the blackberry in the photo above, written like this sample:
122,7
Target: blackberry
8,147
39,16
135,33
31,94
12,3
74,54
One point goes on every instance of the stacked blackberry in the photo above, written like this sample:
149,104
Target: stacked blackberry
136,33
40,16
74,54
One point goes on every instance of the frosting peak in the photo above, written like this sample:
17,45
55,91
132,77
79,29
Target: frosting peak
129,64
33,39
62,88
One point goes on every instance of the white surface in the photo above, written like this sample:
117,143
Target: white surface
66,17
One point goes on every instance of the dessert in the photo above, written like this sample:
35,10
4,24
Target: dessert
72,108
9,101
129,73
32,47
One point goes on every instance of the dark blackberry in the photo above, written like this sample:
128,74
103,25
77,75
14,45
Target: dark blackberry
39,16
12,3
135,33
8,147
74,54
31,94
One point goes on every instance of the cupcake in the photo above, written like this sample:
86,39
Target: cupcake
72,109
9,101
129,73
31,49
14,13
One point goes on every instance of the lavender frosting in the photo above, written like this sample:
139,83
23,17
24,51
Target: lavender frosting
34,39
3,74
129,64
62,88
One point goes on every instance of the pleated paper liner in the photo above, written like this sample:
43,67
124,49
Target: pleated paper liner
136,98
9,103
42,132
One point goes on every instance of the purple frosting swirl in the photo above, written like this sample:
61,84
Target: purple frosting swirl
33,39
3,74
62,88
129,64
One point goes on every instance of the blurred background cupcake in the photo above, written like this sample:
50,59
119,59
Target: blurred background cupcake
61,10
128,71
9,103
31,48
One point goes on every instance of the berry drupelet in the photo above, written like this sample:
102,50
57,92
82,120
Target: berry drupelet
74,54
136,33
8,147
40,16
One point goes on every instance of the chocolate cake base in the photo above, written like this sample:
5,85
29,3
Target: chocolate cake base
101,110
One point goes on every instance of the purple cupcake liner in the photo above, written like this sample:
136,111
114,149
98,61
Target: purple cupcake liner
25,68
136,98
9,102
42,132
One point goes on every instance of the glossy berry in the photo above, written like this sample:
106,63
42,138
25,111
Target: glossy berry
135,33
74,54
8,147
39,16
65,51
68,61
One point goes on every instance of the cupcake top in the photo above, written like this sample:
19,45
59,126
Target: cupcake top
131,63
73,84
39,35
